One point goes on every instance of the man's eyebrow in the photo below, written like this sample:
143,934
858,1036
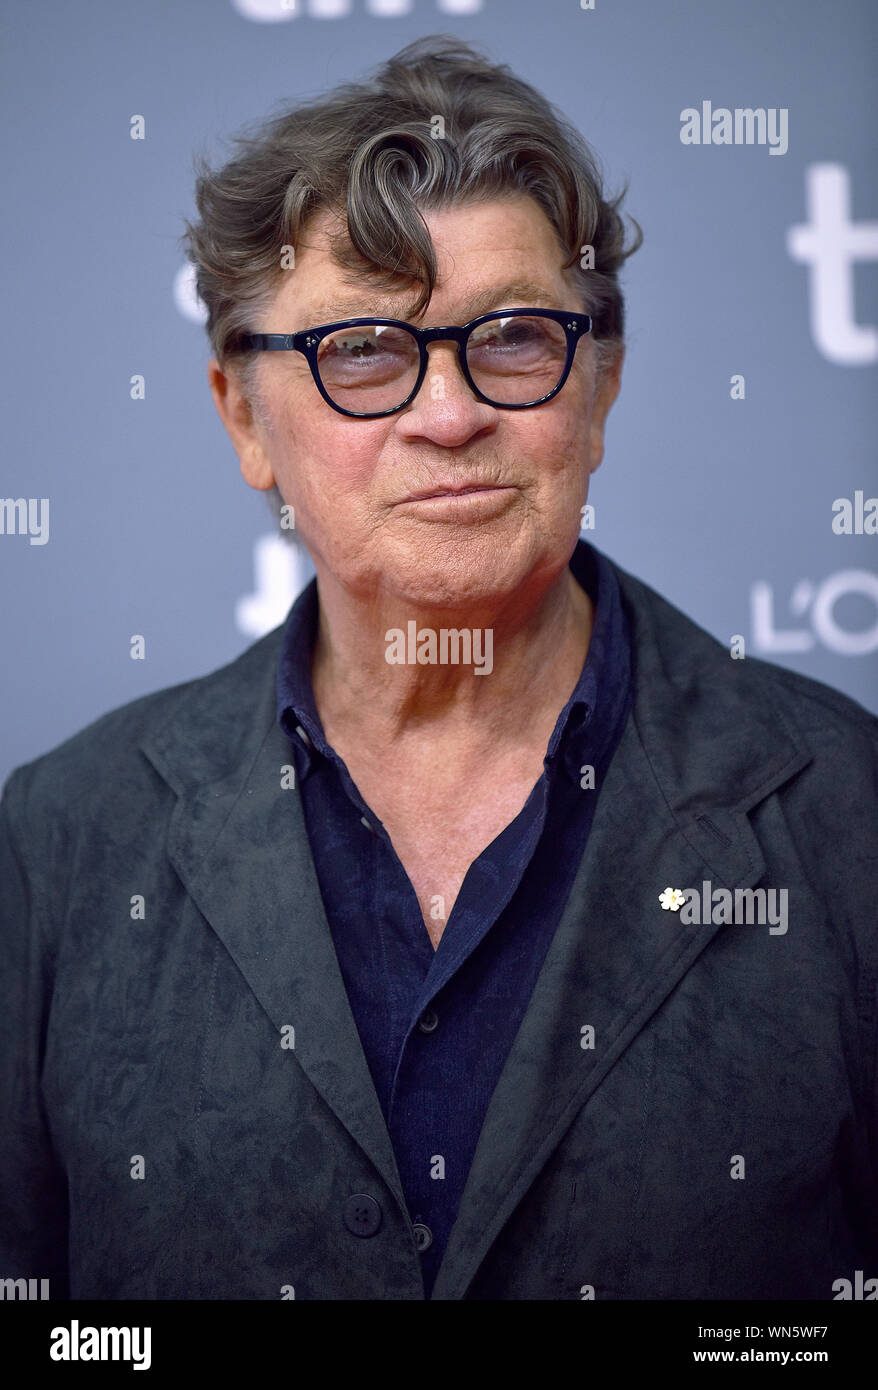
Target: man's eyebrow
513,294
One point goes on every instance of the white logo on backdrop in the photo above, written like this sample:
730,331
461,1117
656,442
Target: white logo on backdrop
818,602
276,11
829,243
186,296
280,573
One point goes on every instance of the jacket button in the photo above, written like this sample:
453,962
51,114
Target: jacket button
362,1214
428,1021
423,1236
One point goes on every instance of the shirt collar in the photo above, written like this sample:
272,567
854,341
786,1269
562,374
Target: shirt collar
585,726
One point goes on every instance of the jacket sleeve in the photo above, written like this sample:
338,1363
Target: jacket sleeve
33,1188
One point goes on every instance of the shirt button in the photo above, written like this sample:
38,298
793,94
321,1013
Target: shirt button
423,1236
426,1023
303,736
362,1214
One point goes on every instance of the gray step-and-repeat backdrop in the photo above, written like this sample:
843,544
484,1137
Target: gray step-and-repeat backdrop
739,477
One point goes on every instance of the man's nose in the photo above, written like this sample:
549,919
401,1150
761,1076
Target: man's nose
444,376
446,409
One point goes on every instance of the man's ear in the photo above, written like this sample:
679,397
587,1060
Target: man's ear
235,409
606,390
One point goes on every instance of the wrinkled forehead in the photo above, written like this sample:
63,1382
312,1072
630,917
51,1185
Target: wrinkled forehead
334,282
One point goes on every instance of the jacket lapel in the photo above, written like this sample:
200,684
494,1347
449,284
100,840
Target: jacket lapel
694,757
239,844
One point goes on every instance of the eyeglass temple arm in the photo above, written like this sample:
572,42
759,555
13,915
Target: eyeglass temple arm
270,342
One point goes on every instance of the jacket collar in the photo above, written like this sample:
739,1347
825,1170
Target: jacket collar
703,744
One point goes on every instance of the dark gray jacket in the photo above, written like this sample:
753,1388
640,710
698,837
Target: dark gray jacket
161,1139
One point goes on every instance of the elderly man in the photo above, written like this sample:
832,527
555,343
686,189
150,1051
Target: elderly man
485,931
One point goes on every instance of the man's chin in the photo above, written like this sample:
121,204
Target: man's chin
459,582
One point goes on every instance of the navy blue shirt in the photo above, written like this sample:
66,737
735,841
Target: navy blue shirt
436,1026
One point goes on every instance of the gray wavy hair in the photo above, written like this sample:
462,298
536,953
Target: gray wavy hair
366,153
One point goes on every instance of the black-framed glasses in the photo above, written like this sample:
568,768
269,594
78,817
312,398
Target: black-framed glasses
368,367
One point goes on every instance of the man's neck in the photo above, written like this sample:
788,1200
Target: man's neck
538,645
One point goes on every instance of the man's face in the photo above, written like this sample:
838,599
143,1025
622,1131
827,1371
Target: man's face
358,486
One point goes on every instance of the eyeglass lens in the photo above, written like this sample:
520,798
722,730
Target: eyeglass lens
373,366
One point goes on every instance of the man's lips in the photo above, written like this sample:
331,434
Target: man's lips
455,490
